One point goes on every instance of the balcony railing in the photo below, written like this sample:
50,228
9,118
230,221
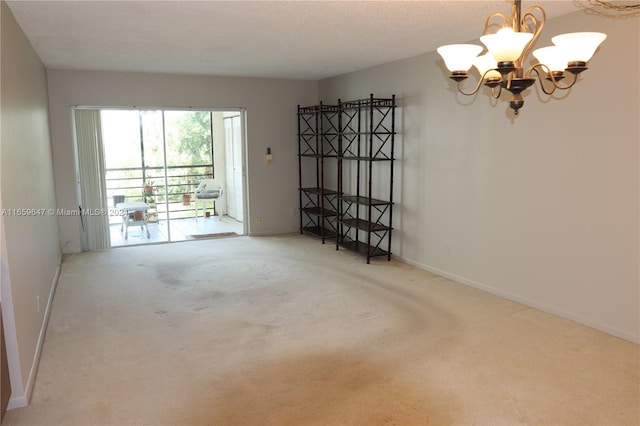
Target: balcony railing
150,185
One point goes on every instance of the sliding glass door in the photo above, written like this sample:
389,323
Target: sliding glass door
154,161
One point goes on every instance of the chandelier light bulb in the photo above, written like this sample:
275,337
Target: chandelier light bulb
484,63
459,57
580,46
554,57
506,45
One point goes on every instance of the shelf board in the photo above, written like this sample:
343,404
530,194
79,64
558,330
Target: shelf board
348,157
365,225
364,200
318,231
319,155
319,191
363,248
317,211
365,133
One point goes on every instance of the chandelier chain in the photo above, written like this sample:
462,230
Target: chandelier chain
621,7
609,10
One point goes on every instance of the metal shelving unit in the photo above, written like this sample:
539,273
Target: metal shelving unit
318,139
366,156
353,203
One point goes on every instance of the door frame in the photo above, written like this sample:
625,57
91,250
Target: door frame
233,146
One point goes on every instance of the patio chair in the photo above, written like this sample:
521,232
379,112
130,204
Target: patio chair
208,189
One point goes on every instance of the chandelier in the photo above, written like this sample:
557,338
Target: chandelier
504,66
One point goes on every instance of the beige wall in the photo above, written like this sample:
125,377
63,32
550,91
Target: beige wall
30,250
271,122
543,208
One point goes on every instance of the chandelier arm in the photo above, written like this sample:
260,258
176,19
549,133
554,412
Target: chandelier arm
538,25
496,92
541,67
537,21
473,92
480,81
506,20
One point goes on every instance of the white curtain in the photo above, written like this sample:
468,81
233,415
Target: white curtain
91,180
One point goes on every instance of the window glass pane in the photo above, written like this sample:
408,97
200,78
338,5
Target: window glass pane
188,136
121,138
121,147
152,139
189,151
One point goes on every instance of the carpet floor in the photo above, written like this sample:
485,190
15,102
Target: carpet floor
286,331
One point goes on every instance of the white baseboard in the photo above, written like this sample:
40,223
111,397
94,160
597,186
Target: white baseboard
268,233
19,401
525,301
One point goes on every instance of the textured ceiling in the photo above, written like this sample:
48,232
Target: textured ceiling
279,39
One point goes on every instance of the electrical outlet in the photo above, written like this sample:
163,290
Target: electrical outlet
258,220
